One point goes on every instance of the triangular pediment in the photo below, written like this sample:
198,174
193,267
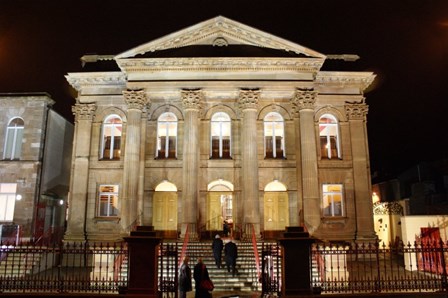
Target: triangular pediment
219,31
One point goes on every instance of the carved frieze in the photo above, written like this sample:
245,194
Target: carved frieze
220,64
192,99
248,98
342,79
84,111
136,99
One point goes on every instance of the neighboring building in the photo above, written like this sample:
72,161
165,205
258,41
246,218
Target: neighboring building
34,168
417,196
219,121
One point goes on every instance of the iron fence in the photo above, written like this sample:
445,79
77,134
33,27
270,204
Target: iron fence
65,267
371,267
168,265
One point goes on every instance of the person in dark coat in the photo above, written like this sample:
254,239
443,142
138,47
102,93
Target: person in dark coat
184,278
200,273
230,255
217,247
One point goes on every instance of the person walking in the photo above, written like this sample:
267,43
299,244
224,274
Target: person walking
230,255
184,280
217,247
200,274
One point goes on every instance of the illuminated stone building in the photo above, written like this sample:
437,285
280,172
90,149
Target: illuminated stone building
219,121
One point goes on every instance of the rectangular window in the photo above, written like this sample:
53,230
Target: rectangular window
333,200
108,201
7,201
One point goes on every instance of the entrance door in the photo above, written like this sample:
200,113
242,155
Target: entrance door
276,211
219,208
165,211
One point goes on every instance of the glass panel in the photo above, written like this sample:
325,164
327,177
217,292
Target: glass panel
332,203
112,129
108,200
220,135
166,136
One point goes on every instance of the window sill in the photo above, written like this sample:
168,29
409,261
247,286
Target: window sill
107,219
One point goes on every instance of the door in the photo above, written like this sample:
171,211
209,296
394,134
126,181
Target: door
165,211
276,211
219,208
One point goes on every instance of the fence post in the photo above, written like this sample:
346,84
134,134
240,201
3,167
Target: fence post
296,273
142,263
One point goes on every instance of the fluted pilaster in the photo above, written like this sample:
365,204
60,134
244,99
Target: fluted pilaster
356,113
303,103
136,101
248,104
191,101
80,171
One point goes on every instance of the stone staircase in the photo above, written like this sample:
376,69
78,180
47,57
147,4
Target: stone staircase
18,264
246,278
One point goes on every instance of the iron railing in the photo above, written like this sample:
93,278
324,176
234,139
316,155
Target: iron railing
371,267
168,266
64,267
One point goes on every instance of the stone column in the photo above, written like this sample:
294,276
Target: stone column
298,152
248,103
356,113
304,102
191,100
136,102
80,172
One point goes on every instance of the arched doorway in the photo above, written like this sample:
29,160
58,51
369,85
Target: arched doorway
164,214
220,203
276,207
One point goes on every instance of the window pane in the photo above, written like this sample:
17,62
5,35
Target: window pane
220,135
112,130
7,201
166,136
332,201
108,200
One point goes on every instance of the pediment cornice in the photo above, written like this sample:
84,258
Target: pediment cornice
219,27
343,79
80,80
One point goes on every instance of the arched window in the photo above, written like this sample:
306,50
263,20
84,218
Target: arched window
13,141
329,137
166,136
274,136
220,136
111,138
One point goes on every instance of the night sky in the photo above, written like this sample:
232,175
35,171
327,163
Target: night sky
404,42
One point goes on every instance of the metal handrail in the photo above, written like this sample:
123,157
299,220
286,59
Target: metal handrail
185,244
257,258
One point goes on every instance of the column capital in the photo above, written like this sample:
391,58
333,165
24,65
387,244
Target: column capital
356,110
135,99
192,98
304,99
84,111
248,98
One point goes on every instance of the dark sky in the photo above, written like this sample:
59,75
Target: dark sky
404,42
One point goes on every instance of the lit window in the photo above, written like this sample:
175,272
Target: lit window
108,201
329,137
111,140
220,136
167,136
13,140
274,141
7,201
333,200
